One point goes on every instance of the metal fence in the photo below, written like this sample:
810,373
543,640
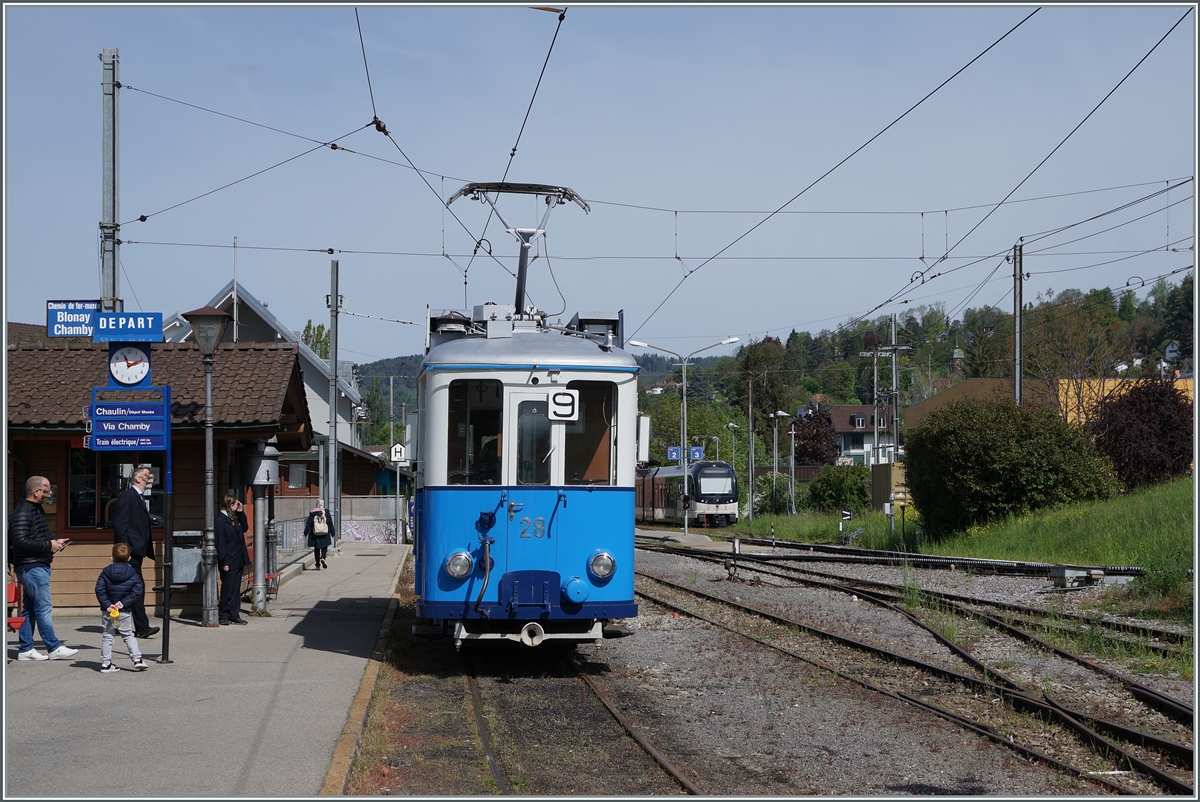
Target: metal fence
364,519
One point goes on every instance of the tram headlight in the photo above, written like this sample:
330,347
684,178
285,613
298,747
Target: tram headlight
459,564
602,565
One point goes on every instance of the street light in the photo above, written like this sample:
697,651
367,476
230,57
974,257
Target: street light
208,326
775,416
683,438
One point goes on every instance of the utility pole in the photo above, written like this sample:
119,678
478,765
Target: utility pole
333,502
235,298
110,227
895,396
876,449
750,453
1018,307
894,351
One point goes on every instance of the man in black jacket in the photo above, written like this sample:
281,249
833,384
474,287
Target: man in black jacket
232,558
131,525
30,551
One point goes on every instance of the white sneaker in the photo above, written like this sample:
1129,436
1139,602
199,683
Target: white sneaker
32,654
61,653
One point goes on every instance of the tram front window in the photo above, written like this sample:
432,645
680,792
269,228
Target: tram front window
533,443
474,446
589,440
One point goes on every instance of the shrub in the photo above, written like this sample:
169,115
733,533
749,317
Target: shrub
973,462
840,487
766,503
1146,432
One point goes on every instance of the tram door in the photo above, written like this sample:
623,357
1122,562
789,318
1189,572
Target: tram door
534,469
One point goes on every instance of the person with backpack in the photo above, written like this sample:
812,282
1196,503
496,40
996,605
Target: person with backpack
317,531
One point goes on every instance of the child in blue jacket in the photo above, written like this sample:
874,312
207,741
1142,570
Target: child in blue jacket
118,587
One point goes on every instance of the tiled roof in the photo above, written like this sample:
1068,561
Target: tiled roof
26,333
254,384
840,414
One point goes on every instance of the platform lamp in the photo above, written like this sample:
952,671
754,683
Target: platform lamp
208,326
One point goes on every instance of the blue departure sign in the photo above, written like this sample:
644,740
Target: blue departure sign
128,327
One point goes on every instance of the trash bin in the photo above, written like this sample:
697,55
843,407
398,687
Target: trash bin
186,556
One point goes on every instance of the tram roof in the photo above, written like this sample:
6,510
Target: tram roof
542,349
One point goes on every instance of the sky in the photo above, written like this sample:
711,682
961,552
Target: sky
683,128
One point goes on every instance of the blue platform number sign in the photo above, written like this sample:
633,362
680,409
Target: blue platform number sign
674,453
695,453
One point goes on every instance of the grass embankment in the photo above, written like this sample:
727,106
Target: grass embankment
1152,528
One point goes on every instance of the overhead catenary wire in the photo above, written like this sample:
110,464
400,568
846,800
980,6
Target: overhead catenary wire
618,257
331,144
366,69
513,153
836,166
1044,160
645,207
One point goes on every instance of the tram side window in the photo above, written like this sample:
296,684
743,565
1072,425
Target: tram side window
473,444
533,443
589,446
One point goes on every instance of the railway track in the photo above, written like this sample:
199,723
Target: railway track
501,701
1110,702
967,690
1119,635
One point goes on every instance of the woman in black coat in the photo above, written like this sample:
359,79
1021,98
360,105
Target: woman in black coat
319,541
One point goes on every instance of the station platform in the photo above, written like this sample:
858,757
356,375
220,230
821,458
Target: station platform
256,710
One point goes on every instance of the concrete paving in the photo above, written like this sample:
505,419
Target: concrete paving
251,710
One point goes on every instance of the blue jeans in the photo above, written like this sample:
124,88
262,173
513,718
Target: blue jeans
35,579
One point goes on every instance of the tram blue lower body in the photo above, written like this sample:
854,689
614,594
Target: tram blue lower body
544,539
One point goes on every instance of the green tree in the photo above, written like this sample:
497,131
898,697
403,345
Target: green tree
763,362
972,462
840,487
316,338
1178,316
838,382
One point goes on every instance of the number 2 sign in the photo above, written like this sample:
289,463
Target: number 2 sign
564,405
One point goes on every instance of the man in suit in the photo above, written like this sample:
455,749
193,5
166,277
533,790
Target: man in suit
131,525
232,558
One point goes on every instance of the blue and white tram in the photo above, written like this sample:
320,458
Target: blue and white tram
525,458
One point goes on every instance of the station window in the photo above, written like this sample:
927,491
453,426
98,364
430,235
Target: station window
96,478
590,440
474,444
297,474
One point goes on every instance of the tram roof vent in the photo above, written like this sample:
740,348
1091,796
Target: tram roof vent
495,318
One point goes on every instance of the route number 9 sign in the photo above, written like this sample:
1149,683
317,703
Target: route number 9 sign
564,405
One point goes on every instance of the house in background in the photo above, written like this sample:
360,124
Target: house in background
854,427
302,474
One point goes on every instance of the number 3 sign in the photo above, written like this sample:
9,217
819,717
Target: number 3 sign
564,405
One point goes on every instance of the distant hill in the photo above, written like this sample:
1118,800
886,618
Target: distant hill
403,368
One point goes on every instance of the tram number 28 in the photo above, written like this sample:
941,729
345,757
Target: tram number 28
538,527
